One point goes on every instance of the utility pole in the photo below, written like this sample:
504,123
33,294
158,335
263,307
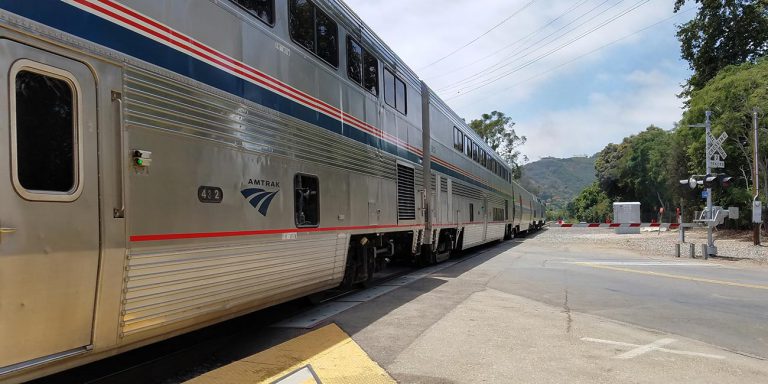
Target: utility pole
755,205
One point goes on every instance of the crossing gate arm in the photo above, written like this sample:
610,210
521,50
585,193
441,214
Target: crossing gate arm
623,225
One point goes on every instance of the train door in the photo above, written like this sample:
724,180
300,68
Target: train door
485,217
49,241
449,198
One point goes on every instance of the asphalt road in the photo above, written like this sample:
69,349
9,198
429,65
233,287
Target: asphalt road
718,302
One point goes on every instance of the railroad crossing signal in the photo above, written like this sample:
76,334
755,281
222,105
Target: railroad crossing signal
715,150
708,181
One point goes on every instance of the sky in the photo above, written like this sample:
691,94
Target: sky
574,75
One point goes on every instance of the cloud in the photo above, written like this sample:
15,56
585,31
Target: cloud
565,102
605,118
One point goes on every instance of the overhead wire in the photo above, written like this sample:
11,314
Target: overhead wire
480,36
526,37
553,69
521,54
497,78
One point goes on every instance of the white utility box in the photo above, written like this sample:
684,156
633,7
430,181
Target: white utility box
626,213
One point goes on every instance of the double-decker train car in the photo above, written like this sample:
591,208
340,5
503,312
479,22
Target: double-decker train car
169,164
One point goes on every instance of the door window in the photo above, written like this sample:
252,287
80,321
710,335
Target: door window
44,132
306,200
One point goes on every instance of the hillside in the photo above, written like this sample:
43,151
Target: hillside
558,181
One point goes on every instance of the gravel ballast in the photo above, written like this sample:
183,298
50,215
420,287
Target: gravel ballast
730,244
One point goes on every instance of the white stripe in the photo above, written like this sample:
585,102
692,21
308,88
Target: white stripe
643,349
646,263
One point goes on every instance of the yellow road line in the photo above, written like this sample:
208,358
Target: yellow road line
324,356
674,276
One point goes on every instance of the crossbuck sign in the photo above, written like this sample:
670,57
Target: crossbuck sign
715,150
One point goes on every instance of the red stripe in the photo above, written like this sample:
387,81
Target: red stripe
655,225
615,225
593,225
673,226
634,225
566,225
202,235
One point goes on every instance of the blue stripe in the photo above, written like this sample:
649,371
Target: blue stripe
70,19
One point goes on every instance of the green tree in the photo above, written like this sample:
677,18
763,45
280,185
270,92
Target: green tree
636,170
722,33
496,130
731,96
591,205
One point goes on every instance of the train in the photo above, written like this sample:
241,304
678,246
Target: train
170,164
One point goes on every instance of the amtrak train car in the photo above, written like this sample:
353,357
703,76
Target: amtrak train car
169,164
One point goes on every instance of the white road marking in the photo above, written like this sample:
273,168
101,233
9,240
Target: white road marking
643,349
648,263
655,346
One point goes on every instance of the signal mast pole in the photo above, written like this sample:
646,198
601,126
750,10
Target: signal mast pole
755,225
710,240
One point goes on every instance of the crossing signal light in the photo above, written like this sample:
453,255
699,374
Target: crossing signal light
692,183
709,181
724,181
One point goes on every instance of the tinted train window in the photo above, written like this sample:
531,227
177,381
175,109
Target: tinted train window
314,30
389,88
395,92
46,153
401,96
471,212
468,146
327,36
354,61
306,200
370,73
362,67
263,9
458,139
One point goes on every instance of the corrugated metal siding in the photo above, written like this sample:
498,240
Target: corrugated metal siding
495,231
166,286
473,234
406,197
159,103
464,190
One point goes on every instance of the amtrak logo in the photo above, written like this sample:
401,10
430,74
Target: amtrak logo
259,198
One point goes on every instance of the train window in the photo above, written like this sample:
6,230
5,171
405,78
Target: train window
471,212
314,30
468,146
400,92
45,133
475,152
389,88
262,9
458,139
395,92
370,73
327,36
483,158
306,200
362,67
354,61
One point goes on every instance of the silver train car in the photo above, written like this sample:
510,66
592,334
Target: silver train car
169,164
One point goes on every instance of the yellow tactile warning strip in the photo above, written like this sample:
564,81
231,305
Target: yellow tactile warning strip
324,356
